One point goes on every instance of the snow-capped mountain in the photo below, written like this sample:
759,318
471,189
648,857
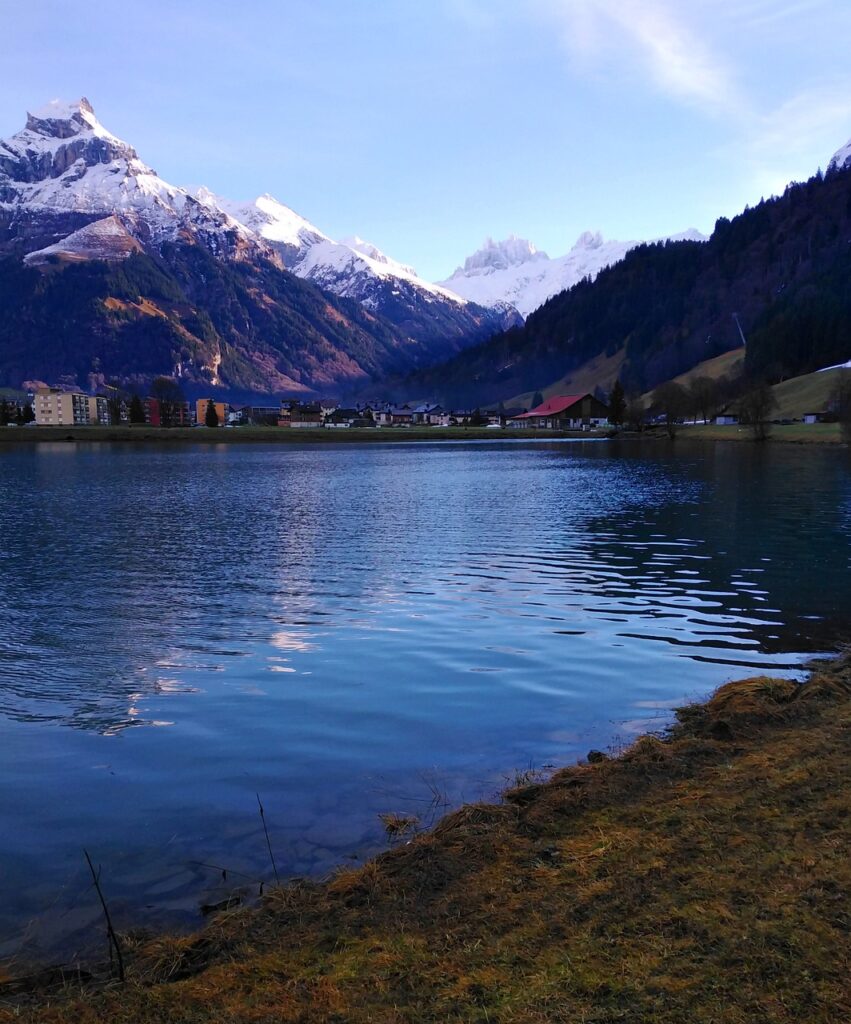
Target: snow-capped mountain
290,233
64,172
515,272
75,196
841,159
352,268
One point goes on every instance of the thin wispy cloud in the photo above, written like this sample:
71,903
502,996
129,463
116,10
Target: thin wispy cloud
764,14
817,119
703,58
654,39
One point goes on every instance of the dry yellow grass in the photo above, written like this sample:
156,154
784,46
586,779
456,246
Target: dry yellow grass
702,878
601,371
791,433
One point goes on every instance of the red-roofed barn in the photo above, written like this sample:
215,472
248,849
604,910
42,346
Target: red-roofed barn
565,412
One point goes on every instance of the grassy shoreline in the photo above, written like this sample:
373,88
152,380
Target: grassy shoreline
702,877
790,433
795,433
270,435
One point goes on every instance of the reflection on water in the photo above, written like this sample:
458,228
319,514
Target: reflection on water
352,630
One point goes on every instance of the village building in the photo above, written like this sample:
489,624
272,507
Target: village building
345,418
54,407
222,409
394,416
261,415
160,413
305,416
565,412
99,410
285,413
429,414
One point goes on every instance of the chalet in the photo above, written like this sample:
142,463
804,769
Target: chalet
565,412
394,416
428,415
303,416
342,418
403,417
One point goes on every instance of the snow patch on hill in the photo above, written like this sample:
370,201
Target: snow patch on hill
106,239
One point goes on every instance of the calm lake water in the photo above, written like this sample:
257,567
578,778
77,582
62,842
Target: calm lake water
355,629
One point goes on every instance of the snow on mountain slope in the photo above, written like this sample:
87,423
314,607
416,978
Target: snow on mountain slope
841,158
64,170
353,268
271,220
353,272
105,239
514,271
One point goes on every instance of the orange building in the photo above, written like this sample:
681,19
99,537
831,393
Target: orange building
201,411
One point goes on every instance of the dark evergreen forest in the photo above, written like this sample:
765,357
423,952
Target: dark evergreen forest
782,268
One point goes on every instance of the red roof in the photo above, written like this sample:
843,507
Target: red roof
552,406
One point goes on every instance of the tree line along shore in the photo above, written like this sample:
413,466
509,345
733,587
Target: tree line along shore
701,875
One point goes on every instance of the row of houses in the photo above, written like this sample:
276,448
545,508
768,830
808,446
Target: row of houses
564,412
377,414
55,407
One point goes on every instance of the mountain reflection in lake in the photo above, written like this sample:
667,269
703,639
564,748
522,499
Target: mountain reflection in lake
354,629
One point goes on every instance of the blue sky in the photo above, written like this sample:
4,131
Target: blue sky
426,126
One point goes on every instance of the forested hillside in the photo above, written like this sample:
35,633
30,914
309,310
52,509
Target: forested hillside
247,326
782,268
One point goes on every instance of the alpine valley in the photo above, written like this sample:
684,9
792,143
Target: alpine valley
109,272
773,282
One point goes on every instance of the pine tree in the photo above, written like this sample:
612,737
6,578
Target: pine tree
4,413
537,399
617,404
211,417
137,410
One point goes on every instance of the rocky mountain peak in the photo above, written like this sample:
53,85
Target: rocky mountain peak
358,244
589,240
492,256
58,137
60,120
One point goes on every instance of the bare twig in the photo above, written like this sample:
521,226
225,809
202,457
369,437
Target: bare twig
268,841
110,931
